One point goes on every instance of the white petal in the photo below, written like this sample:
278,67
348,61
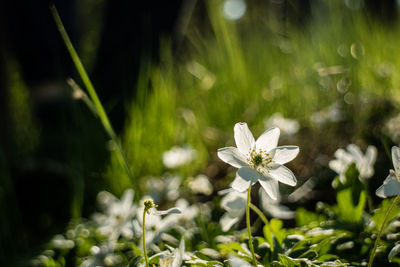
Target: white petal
165,212
284,154
390,187
240,184
234,203
179,253
338,166
268,140
270,186
281,212
342,155
356,152
243,137
283,175
248,174
395,250
237,262
232,155
371,155
396,158
227,221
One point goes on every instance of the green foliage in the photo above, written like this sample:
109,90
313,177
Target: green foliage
304,217
346,208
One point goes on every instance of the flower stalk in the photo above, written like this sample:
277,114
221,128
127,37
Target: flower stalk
249,226
148,204
394,203
259,213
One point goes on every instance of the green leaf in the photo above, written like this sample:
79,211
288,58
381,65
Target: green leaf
276,228
379,214
268,236
305,217
286,261
345,207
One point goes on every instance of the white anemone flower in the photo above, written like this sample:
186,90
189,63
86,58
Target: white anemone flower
341,163
287,126
364,162
234,203
178,156
395,250
116,219
235,261
201,185
164,188
273,206
174,257
259,161
391,185
156,225
102,255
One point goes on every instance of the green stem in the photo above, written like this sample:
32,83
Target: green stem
259,213
394,203
92,93
249,226
369,198
144,238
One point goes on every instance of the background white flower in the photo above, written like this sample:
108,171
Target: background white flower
391,185
364,163
201,185
234,203
164,188
341,163
117,216
259,161
287,126
174,257
273,206
178,156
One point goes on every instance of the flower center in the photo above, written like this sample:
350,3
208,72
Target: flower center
259,160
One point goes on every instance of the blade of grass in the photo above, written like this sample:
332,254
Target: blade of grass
93,95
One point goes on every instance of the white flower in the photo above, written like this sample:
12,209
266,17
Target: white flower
273,208
102,256
178,156
174,257
332,113
395,250
116,219
287,126
392,128
341,163
234,203
59,241
165,187
391,185
155,224
201,185
235,261
259,161
364,163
